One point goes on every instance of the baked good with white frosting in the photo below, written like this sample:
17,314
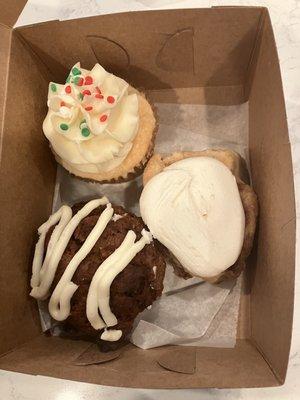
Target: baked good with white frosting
97,266
204,213
99,127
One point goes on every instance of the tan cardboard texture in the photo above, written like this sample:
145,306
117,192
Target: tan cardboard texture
179,359
5,34
10,11
92,355
219,55
230,56
215,95
242,366
272,179
26,191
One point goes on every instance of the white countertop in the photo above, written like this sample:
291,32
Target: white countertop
286,22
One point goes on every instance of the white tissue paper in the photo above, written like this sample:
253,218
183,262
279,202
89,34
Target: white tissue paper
190,311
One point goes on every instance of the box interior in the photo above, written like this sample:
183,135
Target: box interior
218,56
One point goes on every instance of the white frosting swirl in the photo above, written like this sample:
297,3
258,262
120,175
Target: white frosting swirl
92,119
194,208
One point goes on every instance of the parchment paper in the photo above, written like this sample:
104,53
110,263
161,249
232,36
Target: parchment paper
190,311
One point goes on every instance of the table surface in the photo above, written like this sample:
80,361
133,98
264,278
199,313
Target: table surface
286,22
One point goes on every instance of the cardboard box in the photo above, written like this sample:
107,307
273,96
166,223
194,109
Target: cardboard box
222,55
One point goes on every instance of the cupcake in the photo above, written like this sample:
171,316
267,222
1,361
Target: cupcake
204,214
97,267
99,127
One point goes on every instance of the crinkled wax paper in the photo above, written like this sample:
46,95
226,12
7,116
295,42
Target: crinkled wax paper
189,311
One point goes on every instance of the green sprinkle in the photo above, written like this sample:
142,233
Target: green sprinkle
80,96
76,80
64,127
68,79
53,87
85,132
76,71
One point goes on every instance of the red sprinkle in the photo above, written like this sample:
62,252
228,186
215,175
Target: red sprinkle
103,118
68,89
62,103
88,108
98,90
110,99
88,80
98,96
80,82
86,92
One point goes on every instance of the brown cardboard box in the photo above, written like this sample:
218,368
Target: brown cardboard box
223,55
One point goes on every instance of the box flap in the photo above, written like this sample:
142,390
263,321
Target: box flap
26,191
157,50
10,11
242,366
272,294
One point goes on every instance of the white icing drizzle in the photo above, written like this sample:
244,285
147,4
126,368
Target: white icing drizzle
63,215
111,335
99,291
47,272
59,305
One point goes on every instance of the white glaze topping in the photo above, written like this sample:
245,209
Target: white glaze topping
198,214
59,305
43,273
92,119
98,295
47,273
63,215
111,335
